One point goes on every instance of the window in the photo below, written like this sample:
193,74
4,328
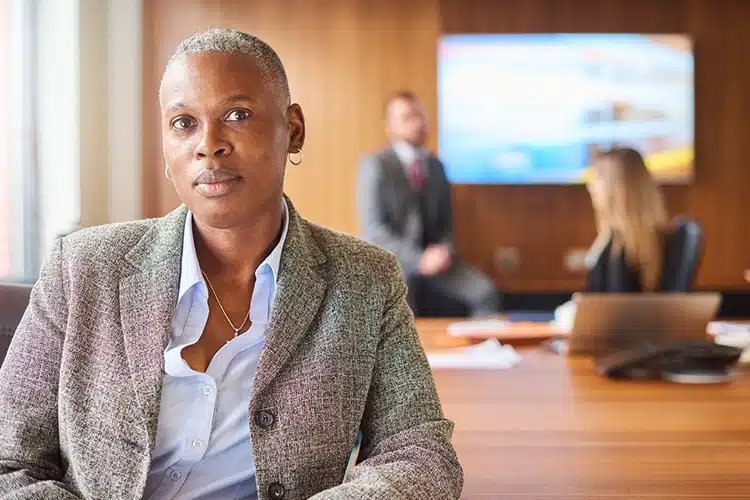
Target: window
70,67
5,230
18,211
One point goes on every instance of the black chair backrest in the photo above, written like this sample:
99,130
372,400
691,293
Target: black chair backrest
684,250
13,302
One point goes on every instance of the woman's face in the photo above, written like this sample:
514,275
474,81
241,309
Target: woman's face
226,135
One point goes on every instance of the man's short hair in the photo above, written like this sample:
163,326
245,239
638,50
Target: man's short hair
238,42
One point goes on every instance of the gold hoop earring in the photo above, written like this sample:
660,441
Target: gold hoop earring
301,157
166,173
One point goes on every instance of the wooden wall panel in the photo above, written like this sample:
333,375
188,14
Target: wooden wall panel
344,57
545,222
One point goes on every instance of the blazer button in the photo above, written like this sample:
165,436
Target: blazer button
264,419
276,491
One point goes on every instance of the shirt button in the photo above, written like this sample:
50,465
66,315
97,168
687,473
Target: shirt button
207,390
175,475
276,491
264,419
197,443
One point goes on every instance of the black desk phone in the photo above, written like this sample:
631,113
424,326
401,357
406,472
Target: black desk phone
684,362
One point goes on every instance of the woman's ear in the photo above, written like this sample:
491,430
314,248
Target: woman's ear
296,122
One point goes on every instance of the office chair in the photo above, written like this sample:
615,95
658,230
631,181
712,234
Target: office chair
683,254
13,302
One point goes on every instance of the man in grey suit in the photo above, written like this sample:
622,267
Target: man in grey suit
232,349
404,206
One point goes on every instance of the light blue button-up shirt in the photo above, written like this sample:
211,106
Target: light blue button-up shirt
203,447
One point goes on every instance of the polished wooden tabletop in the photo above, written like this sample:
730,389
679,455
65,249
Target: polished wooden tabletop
550,428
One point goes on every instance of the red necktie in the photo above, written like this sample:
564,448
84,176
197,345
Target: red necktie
416,174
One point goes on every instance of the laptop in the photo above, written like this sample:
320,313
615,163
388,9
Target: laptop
605,323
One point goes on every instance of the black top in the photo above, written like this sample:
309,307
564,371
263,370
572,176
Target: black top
683,247
613,274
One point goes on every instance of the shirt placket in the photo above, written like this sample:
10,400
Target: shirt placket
198,435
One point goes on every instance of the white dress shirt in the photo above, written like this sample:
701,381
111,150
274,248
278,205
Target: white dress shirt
408,153
203,447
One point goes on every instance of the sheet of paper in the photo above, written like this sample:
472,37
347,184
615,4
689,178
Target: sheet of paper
728,328
488,354
565,316
459,328
732,334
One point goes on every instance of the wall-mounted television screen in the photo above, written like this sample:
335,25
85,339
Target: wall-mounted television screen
536,108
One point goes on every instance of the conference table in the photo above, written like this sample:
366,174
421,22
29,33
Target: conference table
550,428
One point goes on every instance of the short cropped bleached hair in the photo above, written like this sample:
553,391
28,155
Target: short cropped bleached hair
237,42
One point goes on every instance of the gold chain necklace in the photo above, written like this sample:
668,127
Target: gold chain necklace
247,316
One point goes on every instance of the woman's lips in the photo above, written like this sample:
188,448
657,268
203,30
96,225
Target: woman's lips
217,189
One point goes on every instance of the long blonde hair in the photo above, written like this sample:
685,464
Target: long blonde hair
630,210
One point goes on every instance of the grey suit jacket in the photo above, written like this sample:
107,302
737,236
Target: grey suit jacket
388,207
80,388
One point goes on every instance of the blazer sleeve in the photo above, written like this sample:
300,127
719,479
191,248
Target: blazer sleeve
30,455
370,214
406,448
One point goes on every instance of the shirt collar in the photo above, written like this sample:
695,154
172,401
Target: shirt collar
190,274
407,153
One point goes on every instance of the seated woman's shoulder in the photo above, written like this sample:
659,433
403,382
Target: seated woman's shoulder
105,241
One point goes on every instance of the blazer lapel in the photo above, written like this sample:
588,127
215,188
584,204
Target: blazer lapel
398,173
299,292
432,190
147,301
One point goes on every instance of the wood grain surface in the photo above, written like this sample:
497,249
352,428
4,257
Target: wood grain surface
550,428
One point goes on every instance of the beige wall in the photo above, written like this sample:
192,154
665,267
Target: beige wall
124,64
110,111
94,149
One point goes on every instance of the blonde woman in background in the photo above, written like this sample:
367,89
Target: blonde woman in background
632,229
632,222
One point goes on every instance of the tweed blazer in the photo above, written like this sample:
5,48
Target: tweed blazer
80,389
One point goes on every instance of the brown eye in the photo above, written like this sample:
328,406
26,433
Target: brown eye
238,115
182,123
